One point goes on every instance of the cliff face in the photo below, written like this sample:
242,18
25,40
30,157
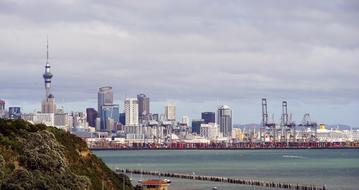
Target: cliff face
41,157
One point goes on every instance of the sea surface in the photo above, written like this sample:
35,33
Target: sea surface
337,169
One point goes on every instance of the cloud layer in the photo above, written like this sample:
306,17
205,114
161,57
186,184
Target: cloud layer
190,52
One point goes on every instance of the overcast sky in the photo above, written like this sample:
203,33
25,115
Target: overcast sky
197,54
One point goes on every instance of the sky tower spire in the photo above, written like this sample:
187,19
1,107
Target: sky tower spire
47,75
48,105
47,48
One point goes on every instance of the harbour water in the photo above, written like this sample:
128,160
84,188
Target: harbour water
337,169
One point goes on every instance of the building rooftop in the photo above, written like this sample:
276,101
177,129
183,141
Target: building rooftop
154,182
224,107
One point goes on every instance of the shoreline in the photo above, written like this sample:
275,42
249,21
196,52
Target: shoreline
279,148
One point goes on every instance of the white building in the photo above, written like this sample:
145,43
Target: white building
185,120
61,120
37,118
131,111
79,120
210,131
170,112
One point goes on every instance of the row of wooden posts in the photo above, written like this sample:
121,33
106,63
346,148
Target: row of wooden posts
250,182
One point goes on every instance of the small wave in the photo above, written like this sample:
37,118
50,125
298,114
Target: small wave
293,156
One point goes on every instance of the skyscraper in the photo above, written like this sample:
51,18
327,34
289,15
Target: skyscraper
48,105
91,115
131,111
105,96
122,118
170,112
224,120
209,117
110,116
143,106
196,125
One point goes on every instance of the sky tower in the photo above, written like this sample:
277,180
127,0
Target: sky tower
47,75
48,105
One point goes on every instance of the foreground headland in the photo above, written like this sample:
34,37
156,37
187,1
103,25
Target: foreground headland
41,157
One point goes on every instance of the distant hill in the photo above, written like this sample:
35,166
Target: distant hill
41,157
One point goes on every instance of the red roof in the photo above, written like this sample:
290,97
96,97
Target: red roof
154,182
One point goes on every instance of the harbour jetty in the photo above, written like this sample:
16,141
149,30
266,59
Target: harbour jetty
250,182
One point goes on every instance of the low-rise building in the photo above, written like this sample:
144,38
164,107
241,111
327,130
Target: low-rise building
155,184
210,131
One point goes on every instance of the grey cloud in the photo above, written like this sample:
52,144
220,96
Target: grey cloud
182,50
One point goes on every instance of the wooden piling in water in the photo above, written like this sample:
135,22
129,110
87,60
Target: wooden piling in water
251,182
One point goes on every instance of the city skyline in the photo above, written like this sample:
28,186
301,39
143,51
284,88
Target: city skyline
198,61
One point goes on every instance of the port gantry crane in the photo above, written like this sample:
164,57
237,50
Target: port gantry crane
267,128
308,129
288,128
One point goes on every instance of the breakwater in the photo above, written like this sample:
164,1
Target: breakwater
250,182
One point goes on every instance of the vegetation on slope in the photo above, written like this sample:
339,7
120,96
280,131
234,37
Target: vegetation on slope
41,157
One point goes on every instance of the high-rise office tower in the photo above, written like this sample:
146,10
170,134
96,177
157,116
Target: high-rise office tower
110,116
143,106
170,112
209,117
131,111
48,105
122,119
91,115
224,120
196,125
105,96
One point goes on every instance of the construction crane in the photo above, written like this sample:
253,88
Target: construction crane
288,128
267,127
309,129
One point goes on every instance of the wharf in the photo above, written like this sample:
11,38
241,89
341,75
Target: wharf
224,146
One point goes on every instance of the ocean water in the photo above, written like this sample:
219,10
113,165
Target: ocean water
337,169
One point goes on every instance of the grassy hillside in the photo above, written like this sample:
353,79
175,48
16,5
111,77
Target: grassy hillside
41,157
